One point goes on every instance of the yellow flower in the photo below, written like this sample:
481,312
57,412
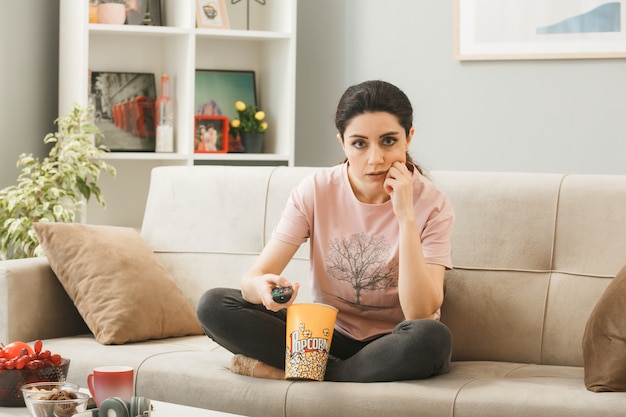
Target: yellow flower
250,119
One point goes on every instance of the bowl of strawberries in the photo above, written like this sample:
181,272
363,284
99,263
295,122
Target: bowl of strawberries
21,363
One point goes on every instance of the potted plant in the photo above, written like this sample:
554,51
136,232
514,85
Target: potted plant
54,189
250,126
112,12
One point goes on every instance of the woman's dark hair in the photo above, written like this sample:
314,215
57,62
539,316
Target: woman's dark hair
375,96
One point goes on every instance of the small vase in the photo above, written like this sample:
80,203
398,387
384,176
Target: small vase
112,13
93,11
252,142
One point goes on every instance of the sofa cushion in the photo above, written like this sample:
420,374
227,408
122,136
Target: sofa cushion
604,340
121,290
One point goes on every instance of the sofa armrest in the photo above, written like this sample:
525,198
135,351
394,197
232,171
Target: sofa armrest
33,303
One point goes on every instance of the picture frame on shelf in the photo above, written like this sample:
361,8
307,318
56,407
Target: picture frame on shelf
124,109
216,92
554,29
138,12
212,14
210,134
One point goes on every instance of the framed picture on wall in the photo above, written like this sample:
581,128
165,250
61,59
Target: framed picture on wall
218,90
211,14
210,134
124,109
547,29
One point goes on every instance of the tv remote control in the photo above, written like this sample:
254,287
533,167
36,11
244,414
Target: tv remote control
282,294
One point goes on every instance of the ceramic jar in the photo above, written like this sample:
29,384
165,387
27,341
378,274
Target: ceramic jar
112,13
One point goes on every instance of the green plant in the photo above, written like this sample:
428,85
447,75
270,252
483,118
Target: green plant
250,119
54,189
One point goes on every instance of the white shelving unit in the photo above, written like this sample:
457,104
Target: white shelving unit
178,48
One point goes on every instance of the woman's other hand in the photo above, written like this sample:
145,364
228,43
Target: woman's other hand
399,186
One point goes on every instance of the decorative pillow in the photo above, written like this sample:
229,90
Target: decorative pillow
122,291
604,340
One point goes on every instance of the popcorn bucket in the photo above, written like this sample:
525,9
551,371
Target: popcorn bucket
309,333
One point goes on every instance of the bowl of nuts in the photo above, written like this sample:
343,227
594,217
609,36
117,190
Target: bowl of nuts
22,364
54,399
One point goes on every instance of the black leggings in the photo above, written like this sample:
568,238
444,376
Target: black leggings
415,349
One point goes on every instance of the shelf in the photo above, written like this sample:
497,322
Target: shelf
130,30
249,35
146,156
165,31
227,157
241,157
179,48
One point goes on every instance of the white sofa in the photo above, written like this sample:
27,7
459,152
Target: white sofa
532,255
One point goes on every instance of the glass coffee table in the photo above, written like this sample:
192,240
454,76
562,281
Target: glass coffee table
161,409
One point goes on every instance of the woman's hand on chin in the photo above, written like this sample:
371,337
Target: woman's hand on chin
399,186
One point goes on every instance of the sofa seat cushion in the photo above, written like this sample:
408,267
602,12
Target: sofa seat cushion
203,380
120,288
538,392
85,353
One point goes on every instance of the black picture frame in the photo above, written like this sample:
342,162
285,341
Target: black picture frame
216,92
124,104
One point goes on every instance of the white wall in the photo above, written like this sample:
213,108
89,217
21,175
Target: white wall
540,116
29,31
